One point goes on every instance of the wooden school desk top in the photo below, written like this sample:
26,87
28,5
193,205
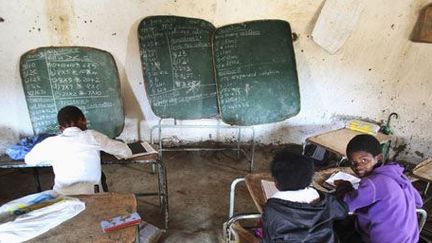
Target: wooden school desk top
85,227
337,140
424,170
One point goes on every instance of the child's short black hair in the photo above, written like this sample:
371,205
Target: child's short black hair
69,115
364,142
291,171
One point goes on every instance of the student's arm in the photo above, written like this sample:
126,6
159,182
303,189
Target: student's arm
364,196
338,208
111,146
40,154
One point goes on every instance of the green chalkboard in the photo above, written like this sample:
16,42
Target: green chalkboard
176,57
54,77
256,72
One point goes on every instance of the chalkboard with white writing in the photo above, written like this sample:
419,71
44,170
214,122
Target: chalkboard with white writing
54,77
245,73
256,72
176,57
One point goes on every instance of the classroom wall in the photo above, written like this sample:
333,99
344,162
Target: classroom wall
376,72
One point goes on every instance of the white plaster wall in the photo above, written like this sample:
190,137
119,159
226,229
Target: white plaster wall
377,71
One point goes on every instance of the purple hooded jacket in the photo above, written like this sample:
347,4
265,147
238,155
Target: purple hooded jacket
385,204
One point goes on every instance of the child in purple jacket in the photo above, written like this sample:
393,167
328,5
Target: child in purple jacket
385,202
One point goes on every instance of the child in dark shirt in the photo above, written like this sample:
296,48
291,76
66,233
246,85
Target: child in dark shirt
298,212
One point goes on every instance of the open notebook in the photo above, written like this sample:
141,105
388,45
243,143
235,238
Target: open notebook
269,188
140,149
355,181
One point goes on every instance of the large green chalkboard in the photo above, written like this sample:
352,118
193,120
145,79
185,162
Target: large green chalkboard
176,57
54,77
245,73
256,72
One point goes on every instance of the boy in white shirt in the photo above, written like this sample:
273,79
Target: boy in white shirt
75,153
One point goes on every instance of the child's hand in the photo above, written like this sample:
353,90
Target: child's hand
342,188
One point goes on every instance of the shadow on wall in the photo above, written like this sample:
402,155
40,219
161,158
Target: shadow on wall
135,101
8,137
131,104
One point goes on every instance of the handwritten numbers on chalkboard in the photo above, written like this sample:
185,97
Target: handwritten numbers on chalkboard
54,77
254,65
176,57
256,72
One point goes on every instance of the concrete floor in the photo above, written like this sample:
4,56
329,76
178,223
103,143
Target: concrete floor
198,186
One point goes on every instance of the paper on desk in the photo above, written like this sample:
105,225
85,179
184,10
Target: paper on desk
269,188
355,181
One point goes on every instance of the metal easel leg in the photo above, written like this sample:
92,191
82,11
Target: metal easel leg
238,142
159,126
163,191
252,165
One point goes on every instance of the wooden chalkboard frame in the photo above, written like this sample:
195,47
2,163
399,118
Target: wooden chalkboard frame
108,116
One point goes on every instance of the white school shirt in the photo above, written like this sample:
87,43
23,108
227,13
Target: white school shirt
75,155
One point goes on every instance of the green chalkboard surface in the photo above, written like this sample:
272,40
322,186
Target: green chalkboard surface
176,57
54,77
245,73
256,72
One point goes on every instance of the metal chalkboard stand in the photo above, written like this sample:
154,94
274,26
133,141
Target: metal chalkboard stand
250,155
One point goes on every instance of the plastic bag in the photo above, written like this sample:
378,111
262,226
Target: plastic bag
19,150
31,224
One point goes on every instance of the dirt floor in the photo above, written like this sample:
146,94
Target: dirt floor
198,187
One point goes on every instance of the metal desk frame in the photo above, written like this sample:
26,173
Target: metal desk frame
159,127
108,159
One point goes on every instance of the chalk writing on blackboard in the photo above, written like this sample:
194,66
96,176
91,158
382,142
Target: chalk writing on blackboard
252,65
54,77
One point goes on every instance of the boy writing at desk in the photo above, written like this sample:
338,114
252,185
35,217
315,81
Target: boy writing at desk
75,153
385,201
299,213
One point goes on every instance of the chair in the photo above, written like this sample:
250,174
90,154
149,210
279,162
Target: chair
232,229
422,216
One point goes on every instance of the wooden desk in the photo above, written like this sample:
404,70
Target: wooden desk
423,171
153,159
336,141
85,227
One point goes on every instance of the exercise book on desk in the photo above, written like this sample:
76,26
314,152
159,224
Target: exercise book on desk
140,149
340,175
269,188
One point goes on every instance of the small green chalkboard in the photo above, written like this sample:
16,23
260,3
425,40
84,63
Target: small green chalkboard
54,77
256,72
176,57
